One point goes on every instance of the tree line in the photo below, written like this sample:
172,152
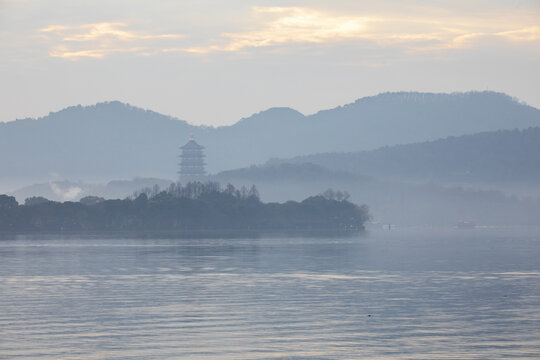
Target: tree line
195,206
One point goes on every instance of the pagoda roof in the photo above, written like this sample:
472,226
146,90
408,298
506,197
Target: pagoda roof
192,145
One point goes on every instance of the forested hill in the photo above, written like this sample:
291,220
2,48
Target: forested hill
115,140
300,172
194,207
489,157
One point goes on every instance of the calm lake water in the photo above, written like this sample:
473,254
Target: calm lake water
400,294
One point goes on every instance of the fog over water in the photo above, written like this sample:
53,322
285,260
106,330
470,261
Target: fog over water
400,294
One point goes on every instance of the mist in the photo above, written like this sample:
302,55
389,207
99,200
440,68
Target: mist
402,203
415,159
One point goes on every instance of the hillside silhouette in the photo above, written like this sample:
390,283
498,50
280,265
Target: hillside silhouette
116,140
489,157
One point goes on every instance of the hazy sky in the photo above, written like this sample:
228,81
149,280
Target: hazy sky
213,62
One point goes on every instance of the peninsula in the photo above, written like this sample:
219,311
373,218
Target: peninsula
194,207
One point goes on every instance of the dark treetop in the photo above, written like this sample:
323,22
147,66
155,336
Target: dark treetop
193,207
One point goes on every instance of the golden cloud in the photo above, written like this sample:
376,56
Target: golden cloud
293,25
98,40
525,34
284,26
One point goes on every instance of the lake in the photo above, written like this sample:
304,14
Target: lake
399,294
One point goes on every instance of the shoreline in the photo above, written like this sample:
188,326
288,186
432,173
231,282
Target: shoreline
183,234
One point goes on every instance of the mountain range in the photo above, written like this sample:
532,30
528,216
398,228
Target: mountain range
115,140
496,157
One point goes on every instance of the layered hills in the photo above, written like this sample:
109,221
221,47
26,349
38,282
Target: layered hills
115,140
496,157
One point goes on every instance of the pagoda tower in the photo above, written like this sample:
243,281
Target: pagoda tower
192,161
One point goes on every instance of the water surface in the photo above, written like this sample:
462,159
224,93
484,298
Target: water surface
400,294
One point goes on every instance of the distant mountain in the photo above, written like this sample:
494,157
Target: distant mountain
488,157
301,172
115,140
90,142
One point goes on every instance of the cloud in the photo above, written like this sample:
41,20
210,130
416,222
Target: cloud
282,26
419,30
287,25
525,34
100,39
66,53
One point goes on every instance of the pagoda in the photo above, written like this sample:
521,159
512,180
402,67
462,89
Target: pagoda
192,163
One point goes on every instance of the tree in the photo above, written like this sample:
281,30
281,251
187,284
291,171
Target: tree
329,194
230,189
8,212
8,203
35,200
253,193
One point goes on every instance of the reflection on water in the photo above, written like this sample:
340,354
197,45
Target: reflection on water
390,295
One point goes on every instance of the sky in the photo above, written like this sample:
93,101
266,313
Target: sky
213,62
